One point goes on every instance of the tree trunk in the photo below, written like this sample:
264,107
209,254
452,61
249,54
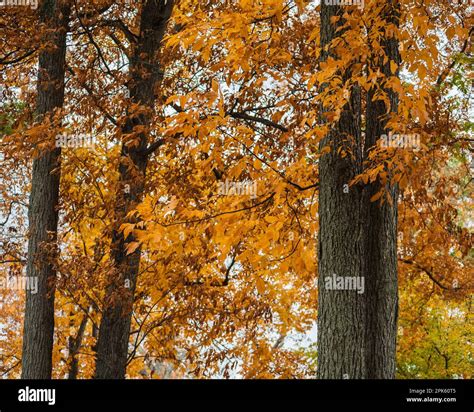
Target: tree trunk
74,345
341,314
381,253
357,238
43,205
114,331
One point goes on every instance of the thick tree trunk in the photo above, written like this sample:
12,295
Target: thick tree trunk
43,205
114,331
382,274
357,238
341,314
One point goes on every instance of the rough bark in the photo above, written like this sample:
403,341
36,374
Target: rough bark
357,238
382,220
341,314
74,344
43,204
114,331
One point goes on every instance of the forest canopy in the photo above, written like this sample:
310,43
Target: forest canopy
181,178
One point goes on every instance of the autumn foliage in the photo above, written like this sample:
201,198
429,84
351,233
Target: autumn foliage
227,224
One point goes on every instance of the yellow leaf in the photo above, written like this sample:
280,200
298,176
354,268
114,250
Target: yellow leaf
127,229
131,247
377,196
393,66
260,285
